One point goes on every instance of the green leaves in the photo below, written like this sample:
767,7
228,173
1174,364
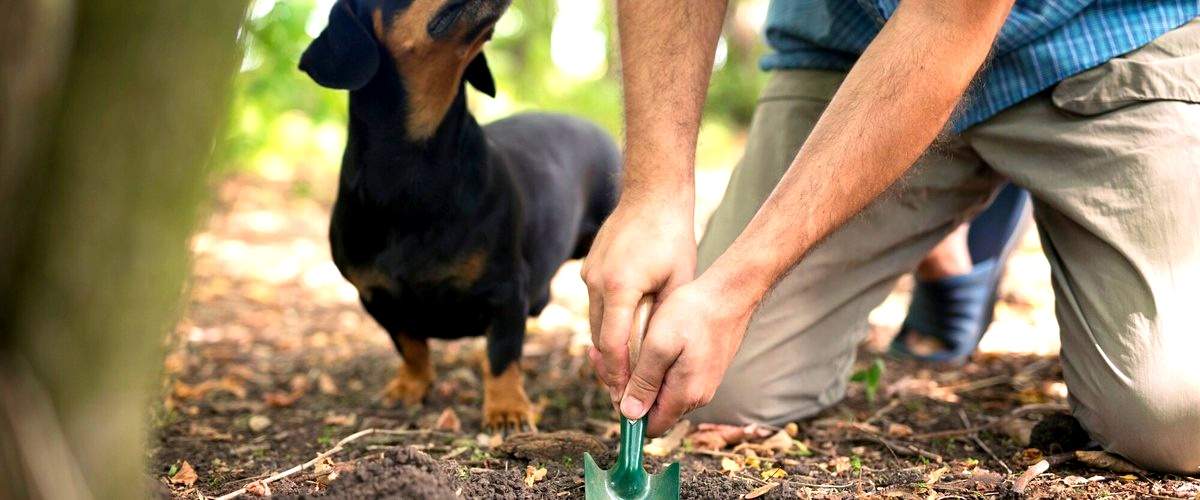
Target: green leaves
870,377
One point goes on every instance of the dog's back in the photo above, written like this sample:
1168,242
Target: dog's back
568,172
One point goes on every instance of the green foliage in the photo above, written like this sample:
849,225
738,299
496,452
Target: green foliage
282,122
870,377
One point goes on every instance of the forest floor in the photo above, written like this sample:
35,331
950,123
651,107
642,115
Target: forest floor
274,364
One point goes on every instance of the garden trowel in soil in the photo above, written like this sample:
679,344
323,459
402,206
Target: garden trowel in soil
628,480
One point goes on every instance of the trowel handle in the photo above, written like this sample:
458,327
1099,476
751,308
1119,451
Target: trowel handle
641,319
628,476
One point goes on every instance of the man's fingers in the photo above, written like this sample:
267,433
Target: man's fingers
605,375
668,408
613,341
658,354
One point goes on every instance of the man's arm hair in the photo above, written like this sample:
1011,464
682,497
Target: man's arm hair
667,52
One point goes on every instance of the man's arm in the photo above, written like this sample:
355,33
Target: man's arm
890,107
648,245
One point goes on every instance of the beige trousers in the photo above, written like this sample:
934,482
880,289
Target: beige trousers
1112,159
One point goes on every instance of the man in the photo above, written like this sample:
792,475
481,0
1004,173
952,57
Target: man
1091,105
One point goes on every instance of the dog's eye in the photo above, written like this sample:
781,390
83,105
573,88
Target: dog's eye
444,19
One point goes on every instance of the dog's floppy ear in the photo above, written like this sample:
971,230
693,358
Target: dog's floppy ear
480,76
344,56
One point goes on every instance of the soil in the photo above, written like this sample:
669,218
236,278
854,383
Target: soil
274,362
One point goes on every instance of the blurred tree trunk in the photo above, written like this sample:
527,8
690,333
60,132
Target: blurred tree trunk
108,111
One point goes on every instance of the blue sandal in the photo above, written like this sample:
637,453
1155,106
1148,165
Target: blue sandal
957,310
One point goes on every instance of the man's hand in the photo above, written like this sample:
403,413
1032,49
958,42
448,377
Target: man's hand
691,340
646,247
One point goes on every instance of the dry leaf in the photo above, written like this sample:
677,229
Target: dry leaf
281,399
730,465
909,386
325,472
773,473
448,421
792,429
780,442
1029,456
760,491
488,440
185,476
1022,482
534,474
1018,429
707,440
840,465
1074,481
936,475
258,489
899,430
347,420
735,434
669,442
259,423
326,385
1104,460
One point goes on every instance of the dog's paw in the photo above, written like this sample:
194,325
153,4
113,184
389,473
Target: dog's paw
407,389
512,412
506,407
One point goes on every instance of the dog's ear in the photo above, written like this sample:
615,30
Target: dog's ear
480,76
344,55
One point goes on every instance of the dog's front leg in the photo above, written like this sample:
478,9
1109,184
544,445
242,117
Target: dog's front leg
505,404
415,373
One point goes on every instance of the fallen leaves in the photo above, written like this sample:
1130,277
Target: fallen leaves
183,391
185,476
258,423
717,436
909,386
341,420
669,442
325,472
730,466
258,489
448,421
298,388
760,491
533,475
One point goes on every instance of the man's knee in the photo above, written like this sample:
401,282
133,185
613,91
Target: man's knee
1155,423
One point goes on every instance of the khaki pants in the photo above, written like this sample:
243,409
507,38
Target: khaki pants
1112,159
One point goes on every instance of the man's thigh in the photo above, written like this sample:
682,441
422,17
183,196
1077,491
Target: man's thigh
1117,201
800,346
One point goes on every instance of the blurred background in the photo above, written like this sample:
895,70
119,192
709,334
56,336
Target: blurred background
544,57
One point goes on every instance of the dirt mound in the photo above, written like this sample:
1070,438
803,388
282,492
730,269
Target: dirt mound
405,473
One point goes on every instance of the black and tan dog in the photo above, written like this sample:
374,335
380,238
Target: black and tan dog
448,229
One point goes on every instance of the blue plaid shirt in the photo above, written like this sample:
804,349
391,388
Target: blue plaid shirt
1041,43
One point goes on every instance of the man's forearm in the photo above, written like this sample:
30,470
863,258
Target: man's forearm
666,59
890,107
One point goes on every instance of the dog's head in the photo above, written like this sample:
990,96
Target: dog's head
433,45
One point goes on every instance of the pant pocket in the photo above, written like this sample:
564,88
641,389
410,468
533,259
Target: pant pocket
1165,69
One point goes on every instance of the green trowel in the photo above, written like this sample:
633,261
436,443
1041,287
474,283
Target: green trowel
628,480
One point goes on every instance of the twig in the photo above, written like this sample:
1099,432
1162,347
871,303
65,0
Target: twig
903,448
830,486
962,415
884,411
952,432
320,456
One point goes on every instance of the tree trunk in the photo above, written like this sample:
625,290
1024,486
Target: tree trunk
108,112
